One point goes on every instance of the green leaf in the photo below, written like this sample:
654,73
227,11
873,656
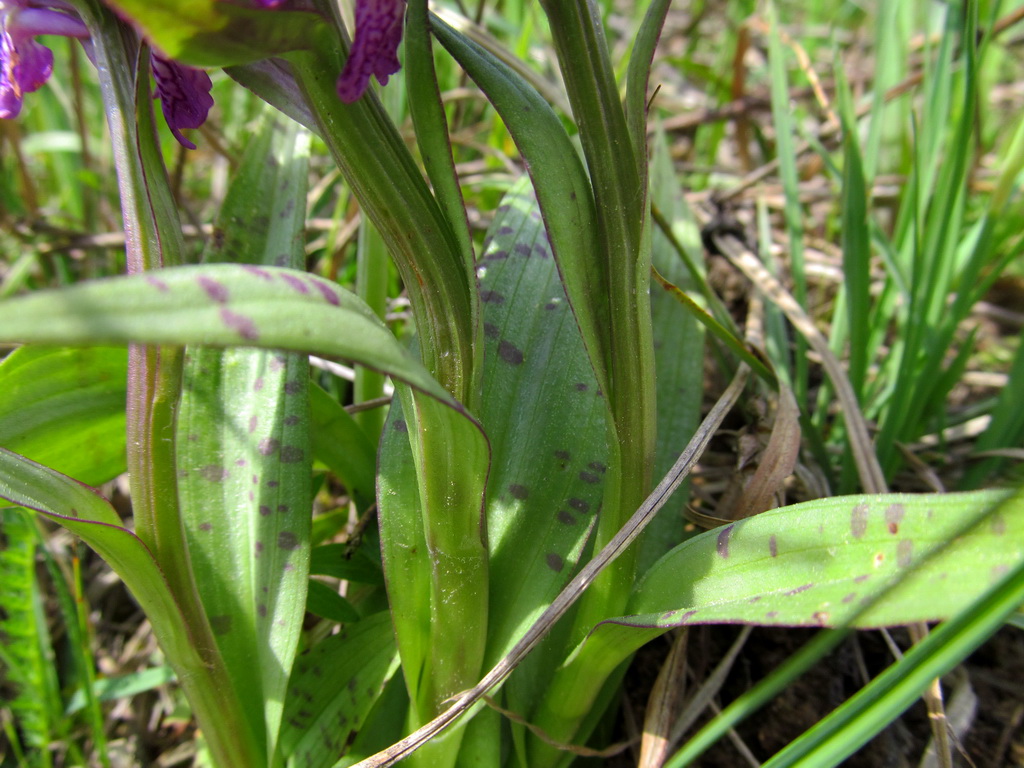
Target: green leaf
217,305
123,686
207,33
332,560
326,603
561,182
333,687
546,419
65,408
818,563
88,515
243,449
881,702
29,681
343,446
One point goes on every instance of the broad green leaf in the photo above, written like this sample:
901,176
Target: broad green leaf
826,563
818,563
545,416
332,688
216,305
243,447
208,33
65,408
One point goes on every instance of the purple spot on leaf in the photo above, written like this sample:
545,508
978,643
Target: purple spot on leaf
157,283
400,426
773,546
491,297
261,609
292,387
850,597
722,543
205,527
893,517
597,466
862,578
220,625
215,473
555,563
292,454
245,327
287,540
296,283
282,509
509,352
253,423
496,256
579,505
260,273
291,421
327,292
491,331
264,510
589,477
268,445
566,517
522,249
859,520
904,553
216,291
518,491
258,384
798,590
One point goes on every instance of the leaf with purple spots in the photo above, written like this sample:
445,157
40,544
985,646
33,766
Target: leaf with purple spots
827,562
244,446
538,404
332,688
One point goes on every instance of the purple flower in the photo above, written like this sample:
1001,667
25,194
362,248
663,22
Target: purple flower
375,48
184,95
26,65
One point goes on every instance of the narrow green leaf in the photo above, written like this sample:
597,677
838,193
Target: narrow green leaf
431,127
65,408
326,603
332,689
123,686
637,76
878,704
331,560
561,183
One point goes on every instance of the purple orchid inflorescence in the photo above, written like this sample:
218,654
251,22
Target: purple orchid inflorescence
184,92
375,47
25,65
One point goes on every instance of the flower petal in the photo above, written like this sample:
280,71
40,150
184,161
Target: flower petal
375,48
184,95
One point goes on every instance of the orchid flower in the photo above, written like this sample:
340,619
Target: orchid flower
375,47
26,65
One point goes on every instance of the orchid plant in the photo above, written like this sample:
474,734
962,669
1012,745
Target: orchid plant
538,413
